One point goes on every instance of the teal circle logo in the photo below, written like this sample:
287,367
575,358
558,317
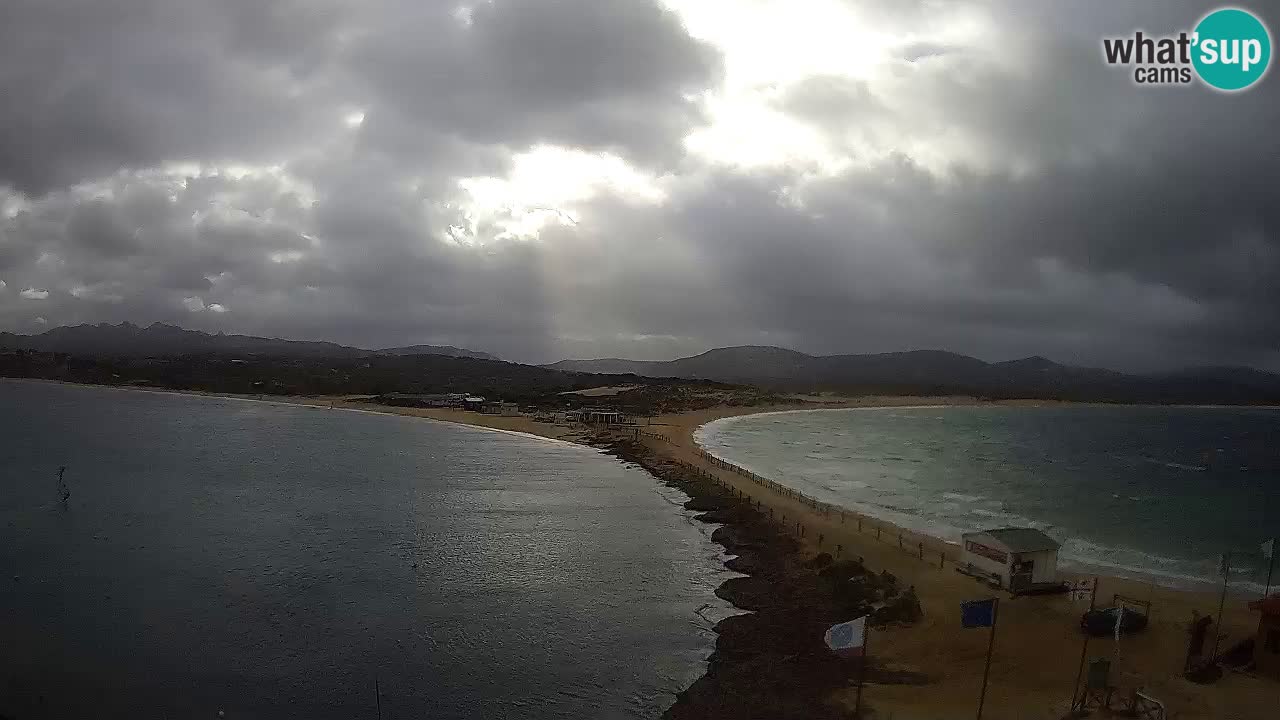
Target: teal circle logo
1232,49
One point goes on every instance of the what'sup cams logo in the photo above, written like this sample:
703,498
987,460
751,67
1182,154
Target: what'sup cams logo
1229,50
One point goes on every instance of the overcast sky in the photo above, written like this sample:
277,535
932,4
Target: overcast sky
587,178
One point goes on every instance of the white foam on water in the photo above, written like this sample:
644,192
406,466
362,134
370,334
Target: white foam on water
945,515
1139,565
963,497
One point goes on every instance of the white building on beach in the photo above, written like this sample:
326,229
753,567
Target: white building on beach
1017,559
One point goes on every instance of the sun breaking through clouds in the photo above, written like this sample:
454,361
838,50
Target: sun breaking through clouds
632,178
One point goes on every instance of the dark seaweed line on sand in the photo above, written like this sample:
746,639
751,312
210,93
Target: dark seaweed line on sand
772,662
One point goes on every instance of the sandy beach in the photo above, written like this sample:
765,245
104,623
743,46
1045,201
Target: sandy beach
1038,644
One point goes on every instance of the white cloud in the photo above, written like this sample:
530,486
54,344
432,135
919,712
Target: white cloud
40,321
285,256
217,308
193,304
3,285
34,294
97,293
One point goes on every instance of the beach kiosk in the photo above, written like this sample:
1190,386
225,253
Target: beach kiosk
1017,559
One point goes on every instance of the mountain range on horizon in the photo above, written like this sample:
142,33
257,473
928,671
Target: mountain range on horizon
907,372
948,371
158,339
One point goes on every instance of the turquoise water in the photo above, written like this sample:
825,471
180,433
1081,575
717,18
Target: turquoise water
1147,490
274,561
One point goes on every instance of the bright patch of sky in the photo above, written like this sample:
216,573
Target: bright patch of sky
543,187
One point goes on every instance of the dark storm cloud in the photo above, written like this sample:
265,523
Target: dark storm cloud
92,86
193,163
604,75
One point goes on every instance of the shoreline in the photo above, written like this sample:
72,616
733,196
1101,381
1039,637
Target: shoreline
1036,659
769,661
687,425
1240,590
1083,567
1039,663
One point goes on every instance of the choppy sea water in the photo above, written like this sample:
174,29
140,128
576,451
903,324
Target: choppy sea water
276,561
1155,491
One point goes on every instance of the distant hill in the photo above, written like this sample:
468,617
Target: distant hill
1243,376
446,350
937,371
748,362
916,372
161,340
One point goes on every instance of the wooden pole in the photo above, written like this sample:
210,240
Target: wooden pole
377,693
1222,603
1084,650
862,672
991,645
1084,654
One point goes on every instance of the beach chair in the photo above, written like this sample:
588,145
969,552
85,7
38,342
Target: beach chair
1097,687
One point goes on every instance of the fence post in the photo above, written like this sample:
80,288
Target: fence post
922,551
943,562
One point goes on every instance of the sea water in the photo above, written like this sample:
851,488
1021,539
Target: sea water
1159,492
282,561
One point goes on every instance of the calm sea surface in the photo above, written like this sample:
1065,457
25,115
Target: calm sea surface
273,561
1159,491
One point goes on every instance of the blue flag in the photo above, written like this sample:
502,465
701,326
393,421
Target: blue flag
978,613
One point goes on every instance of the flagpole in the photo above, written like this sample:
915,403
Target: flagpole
862,673
991,645
1222,603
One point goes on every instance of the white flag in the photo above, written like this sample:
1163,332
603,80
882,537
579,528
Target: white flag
1269,548
848,638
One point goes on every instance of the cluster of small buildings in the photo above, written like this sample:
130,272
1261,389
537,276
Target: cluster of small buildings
477,403
460,401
